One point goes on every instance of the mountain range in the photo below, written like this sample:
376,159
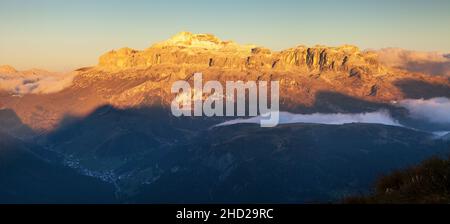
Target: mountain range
128,78
109,126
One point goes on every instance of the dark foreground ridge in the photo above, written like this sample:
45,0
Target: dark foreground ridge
428,182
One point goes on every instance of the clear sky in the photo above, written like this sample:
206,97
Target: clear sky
63,35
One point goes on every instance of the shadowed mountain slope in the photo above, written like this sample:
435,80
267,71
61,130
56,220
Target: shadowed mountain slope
27,176
151,157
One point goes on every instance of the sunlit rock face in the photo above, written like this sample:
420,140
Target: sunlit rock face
303,71
183,48
208,50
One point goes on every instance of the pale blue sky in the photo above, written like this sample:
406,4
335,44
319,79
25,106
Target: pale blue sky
63,35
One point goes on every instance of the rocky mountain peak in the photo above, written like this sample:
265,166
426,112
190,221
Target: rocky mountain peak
207,50
190,39
201,41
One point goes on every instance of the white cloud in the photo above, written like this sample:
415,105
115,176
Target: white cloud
433,63
436,110
378,117
44,82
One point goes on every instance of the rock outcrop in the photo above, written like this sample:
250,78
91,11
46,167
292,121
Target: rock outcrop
207,50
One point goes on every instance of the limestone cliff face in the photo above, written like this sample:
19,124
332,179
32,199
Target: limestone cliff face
303,72
146,76
209,51
320,58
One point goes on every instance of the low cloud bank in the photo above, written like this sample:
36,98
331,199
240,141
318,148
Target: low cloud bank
433,63
36,82
441,134
435,110
378,117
